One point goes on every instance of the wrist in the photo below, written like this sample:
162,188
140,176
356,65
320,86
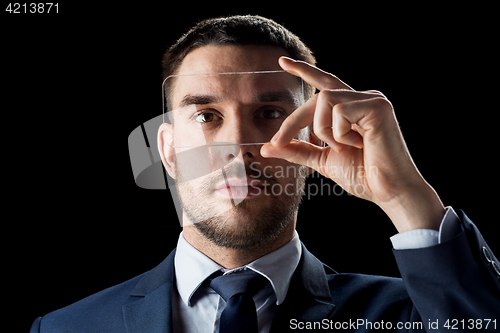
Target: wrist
417,208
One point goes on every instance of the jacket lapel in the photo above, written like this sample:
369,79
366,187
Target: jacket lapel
150,309
308,298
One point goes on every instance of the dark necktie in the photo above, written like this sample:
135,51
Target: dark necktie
237,289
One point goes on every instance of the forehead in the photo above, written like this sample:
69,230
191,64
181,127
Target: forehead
236,88
231,58
192,78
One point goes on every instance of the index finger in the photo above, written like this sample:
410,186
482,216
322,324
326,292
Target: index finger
312,75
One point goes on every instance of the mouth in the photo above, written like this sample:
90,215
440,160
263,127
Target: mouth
239,188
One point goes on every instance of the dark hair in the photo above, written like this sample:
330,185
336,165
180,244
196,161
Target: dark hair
236,30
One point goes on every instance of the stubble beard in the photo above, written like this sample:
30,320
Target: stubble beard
253,222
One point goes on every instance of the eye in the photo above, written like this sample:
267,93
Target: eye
270,113
206,117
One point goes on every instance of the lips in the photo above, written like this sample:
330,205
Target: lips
239,188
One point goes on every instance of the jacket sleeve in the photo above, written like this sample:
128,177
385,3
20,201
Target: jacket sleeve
35,328
456,282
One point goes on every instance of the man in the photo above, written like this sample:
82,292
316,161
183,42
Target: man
451,279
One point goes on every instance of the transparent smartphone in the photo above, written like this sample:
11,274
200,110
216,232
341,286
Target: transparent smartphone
217,124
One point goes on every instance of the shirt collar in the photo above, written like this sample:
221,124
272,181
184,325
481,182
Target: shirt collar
192,268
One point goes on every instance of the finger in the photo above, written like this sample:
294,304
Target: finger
323,120
296,121
312,75
298,152
323,117
352,118
344,133
317,109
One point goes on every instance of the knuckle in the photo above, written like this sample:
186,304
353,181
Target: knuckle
376,92
339,109
381,103
328,96
333,96
326,93
324,132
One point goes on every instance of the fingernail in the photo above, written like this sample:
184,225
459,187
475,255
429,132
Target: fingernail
264,151
288,58
291,71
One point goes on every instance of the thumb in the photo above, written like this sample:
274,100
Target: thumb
299,152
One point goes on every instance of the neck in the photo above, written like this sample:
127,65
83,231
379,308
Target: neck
232,258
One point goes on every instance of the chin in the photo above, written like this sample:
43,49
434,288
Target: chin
244,231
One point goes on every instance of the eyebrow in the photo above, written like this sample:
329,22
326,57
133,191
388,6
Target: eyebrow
197,100
275,96
284,96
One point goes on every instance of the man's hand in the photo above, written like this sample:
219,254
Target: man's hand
366,153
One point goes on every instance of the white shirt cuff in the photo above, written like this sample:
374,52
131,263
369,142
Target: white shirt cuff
420,238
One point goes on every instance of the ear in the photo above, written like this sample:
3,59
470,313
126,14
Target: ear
165,142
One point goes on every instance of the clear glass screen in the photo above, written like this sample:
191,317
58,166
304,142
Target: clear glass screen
217,124
230,108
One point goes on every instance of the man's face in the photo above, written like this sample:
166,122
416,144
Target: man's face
244,199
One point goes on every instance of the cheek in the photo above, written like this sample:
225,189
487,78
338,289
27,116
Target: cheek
188,135
193,163
283,171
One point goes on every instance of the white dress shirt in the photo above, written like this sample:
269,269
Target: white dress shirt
420,238
197,308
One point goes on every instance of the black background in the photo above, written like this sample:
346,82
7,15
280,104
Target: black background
75,84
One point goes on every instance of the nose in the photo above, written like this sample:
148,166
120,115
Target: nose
239,131
247,152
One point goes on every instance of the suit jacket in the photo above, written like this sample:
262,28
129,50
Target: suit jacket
454,280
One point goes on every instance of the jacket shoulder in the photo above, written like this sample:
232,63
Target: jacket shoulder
103,311
381,296
90,313
362,285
